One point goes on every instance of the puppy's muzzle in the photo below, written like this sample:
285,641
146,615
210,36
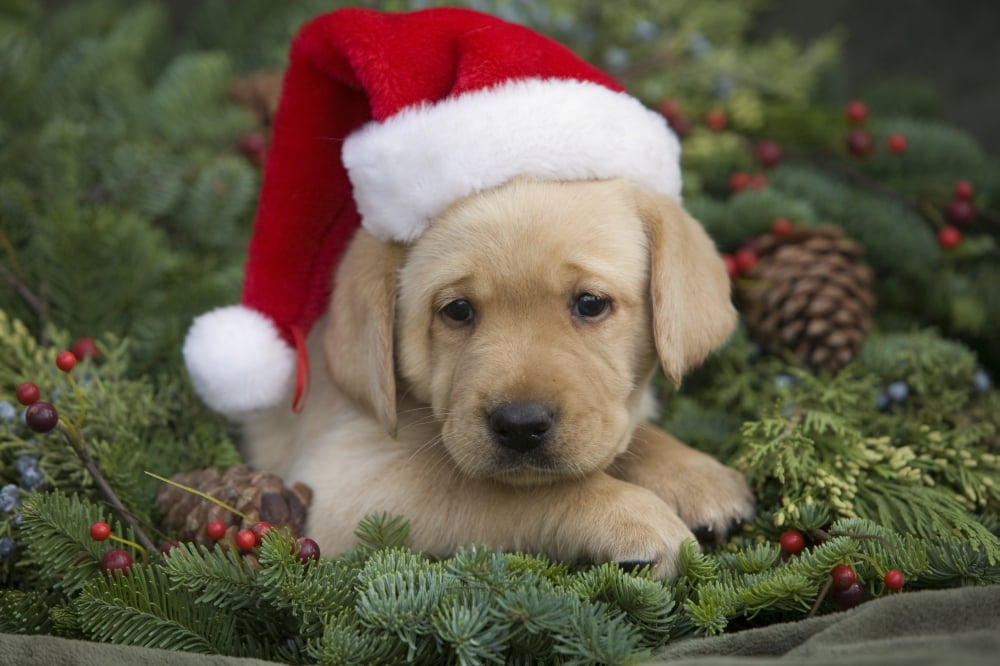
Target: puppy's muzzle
521,426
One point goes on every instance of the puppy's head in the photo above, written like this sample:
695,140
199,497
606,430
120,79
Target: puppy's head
529,317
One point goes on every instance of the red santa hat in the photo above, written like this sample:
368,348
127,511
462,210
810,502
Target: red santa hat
386,119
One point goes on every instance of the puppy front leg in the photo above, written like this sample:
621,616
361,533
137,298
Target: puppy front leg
710,497
596,519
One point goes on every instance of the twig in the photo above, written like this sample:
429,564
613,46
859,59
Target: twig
820,597
75,439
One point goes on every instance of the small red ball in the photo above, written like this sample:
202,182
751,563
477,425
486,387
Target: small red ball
964,189
675,117
746,258
843,576
961,211
739,181
308,550
768,153
85,348
169,546
792,542
849,597
259,529
894,579
245,540
717,119
41,417
856,112
731,267
116,560
27,393
949,237
65,361
215,529
896,143
757,181
782,226
100,531
860,142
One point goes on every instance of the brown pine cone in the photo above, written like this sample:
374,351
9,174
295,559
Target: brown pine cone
261,496
809,294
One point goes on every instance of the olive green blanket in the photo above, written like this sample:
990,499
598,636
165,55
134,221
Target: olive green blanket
947,627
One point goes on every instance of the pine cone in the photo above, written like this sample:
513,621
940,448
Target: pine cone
260,495
810,293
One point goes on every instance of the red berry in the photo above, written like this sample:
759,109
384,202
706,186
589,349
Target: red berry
259,529
671,111
746,258
757,181
949,237
731,267
116,560
308,550
964,189
245,540
739,181
792,542
849,597
782,226
768,153
717,119
860,142
100,531
169,546
894,579
65,361
856,112
896,143
41,417
27,393
216,529
961,211
253,145
85,348
843,576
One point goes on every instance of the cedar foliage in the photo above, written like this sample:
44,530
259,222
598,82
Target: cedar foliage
125,204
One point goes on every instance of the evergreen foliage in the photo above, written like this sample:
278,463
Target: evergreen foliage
125,203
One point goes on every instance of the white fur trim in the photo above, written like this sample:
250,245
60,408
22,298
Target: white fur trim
237,361
407,169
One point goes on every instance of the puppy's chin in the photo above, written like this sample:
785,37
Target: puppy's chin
481,458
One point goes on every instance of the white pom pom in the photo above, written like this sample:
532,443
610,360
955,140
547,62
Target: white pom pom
238,361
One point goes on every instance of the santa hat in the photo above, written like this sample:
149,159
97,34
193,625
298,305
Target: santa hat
386,119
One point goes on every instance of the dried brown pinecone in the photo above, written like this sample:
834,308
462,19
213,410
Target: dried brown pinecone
261,496
810,294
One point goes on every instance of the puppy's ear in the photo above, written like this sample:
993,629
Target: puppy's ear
689,286
358,340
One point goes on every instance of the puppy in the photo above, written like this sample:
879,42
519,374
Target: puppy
490,381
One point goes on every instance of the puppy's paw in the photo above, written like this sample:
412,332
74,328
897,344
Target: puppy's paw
709,497
636,529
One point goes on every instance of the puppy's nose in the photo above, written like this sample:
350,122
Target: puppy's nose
521,426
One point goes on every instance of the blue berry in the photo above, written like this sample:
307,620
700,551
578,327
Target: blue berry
18,517
8,412
699,44
27,461
981,381
644,30
882,401
7,546
9,496
898,391
783,380
32,478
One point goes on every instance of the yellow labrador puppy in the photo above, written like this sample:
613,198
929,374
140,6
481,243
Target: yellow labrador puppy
490,381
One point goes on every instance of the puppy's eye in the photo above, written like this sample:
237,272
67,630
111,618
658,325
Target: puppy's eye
459,311
590,306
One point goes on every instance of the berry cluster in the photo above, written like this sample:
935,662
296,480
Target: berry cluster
250,539
116,560
845,589
859,140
